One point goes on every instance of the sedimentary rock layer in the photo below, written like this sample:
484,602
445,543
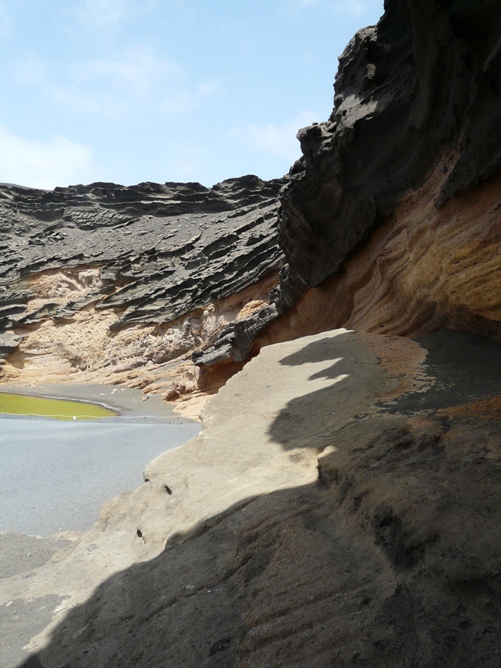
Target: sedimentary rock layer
161,250
391,215
109,279
425,268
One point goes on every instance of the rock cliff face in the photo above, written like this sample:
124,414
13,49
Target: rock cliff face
342,505
392,212
101,280
417,90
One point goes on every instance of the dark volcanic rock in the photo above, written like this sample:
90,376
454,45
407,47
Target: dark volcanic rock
419,89
420,86
162,250
8,343
236,340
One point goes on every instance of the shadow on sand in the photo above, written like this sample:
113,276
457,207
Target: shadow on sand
388,560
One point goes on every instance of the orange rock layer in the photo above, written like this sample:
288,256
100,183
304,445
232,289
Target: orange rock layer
425,268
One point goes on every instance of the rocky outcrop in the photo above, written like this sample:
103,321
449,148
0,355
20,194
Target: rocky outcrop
161,250
390,217
417,90
341,506
237,341
112,278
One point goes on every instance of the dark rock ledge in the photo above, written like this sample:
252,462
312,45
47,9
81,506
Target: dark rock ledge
162,250
420,87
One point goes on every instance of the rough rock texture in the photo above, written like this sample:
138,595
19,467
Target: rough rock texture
423,269
104,277
162,250
341,507
392,212
326,519
419,88
237,340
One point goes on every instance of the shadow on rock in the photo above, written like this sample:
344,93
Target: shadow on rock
388,565
389,559
351,385
466,367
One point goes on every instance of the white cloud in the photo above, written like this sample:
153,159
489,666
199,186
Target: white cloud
5,22
30,70
103,13
43,164
111,14
136,82
137,72
277,139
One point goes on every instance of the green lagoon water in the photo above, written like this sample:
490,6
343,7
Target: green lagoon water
59,409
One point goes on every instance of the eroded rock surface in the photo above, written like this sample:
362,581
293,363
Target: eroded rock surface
105,277
390,220
325,516
419,88
342,505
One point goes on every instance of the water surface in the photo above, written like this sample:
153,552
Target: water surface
59,409
55,476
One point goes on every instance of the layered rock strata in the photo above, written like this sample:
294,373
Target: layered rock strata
419,89
342,505
105,279
391,217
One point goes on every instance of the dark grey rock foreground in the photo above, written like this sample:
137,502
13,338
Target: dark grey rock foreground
162,250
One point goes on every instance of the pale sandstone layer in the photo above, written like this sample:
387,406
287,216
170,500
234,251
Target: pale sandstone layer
87,348
320,519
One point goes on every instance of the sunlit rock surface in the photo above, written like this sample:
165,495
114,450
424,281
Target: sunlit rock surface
341,507
102,280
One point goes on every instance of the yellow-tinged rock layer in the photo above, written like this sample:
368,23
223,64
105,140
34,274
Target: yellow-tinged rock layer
425,268
86,348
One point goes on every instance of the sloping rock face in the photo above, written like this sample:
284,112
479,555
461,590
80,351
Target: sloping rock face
146,273
162,250
391,217
340,508
390,220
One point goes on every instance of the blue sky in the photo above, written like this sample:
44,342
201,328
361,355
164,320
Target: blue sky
165,90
